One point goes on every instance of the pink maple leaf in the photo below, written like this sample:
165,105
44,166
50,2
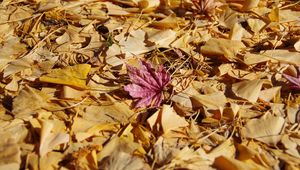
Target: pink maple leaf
295,81
147,84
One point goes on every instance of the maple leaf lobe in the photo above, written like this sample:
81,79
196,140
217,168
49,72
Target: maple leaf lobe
147,84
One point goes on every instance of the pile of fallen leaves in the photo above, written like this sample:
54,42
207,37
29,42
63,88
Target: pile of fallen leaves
150,84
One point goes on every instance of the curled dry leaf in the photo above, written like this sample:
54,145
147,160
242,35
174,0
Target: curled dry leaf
147,84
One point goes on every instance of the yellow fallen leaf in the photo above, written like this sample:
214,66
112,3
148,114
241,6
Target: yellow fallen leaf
114,111
71,75
297,46
166,118
50,140
9,50
213,101
222,47
274,15
134,44
38,100
250,58
161,38
248,89
71,93
226,163
267,130
51,161
284,56
184,98
226,148
10,152
148,5
169,22
269,94
249,4
255,24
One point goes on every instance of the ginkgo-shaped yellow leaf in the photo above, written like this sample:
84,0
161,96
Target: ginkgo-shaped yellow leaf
71,75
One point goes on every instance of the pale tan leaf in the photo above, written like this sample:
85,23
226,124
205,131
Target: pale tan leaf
184,98
38,100
267,130
290,145
71,93
297,46
161,38
49,140
170,119
248,90
134,44
51,161
10,153
269,94
250,58
213,101
167,119
222,47
226,148
283,56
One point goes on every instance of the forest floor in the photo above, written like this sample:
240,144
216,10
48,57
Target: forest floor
150,84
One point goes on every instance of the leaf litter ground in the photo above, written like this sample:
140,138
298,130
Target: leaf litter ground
149,84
